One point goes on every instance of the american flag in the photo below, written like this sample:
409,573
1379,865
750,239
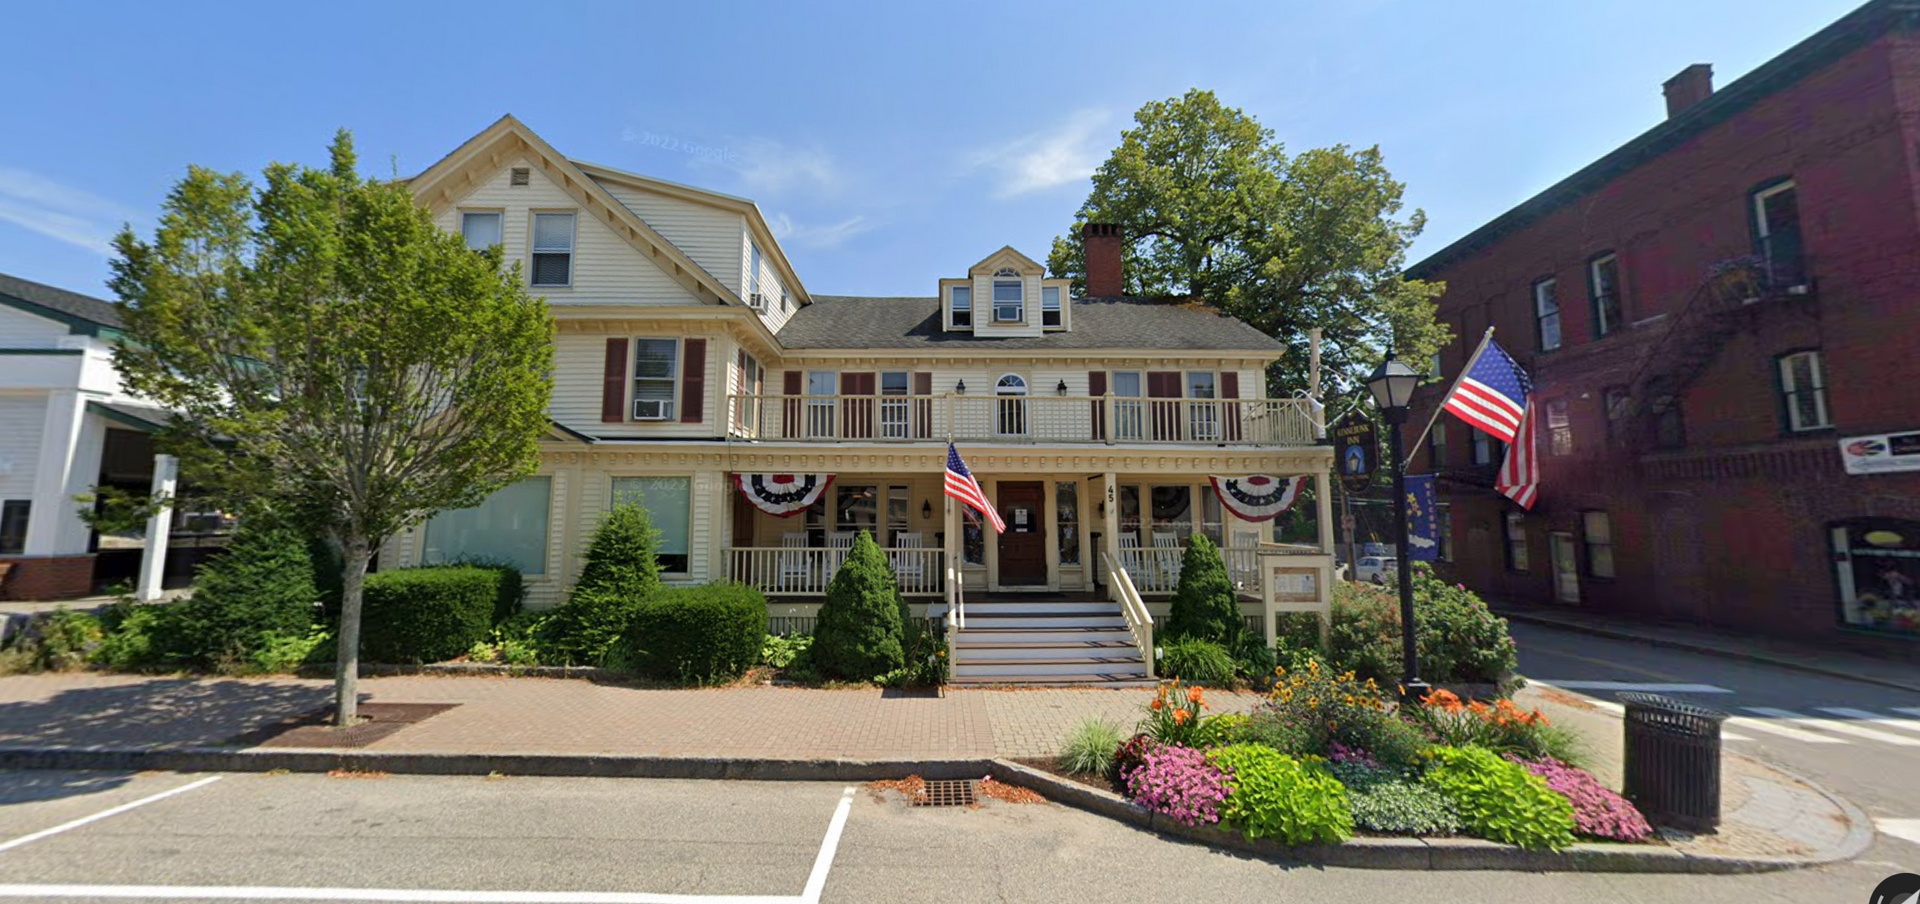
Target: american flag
1519,477
1492,394
962,486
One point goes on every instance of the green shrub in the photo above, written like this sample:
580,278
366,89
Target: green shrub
780,650
858,633
1253,659
261,585
426,614
278,653
1457,638
698,635
1196,660
1089,748
1272,728
1272,795
1500,800
1395,802
1318,708
1223,729
511,642
1205,606
513,587
59,641
622,557
586,627
143,637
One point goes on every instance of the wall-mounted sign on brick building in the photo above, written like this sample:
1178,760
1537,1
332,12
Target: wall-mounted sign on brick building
1881,453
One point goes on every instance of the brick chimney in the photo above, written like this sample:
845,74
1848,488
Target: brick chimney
1103,242
1693,85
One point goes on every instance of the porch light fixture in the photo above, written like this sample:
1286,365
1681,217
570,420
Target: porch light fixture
1062,388
1392,385
926,509
960,388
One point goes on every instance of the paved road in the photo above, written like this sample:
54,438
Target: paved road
1861,740
613,841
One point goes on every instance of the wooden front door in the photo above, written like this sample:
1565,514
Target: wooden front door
1023,548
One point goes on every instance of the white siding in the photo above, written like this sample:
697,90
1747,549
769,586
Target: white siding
22,418
579,368
19,329
770,285
606,268
983,322
707,234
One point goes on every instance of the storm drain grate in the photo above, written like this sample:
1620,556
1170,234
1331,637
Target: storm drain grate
945,793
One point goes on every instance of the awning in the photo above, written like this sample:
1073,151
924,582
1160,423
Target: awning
143,418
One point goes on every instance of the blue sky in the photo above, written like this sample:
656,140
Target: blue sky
890,143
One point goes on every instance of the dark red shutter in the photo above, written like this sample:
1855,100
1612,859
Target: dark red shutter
857,414
1097,387
923,406
693,382
1230,413
613,383
793,383
1165,415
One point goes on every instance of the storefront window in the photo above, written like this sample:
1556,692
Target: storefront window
1066,502
1878,566
510,526
669,502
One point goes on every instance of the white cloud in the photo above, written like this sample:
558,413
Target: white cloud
77,217
772,167
1064,154
828,235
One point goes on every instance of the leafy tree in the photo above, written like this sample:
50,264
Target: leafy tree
858,634
1204,604
329,348
1214,208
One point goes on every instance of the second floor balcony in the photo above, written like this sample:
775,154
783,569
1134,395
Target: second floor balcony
1036,419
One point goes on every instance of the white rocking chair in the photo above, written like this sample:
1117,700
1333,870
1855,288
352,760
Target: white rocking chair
795,569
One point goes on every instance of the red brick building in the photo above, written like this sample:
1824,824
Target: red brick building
1710,313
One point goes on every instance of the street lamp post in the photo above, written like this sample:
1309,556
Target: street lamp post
1392,385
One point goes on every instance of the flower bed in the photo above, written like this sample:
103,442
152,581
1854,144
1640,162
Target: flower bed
1327,756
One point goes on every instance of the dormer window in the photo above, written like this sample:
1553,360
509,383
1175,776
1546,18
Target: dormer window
1009,301
1050,306
960,302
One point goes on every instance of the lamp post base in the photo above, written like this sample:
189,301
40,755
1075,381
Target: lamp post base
1415,691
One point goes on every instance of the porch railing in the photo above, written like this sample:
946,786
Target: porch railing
1134,609
1021,419
1157,569
806,571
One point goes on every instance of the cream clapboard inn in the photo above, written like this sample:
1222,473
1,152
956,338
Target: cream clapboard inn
764,426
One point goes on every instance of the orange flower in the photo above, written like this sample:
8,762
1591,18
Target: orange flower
1157,704
1195,696
1180,716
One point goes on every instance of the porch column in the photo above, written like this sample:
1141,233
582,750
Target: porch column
153,559
1323,508
53,523
1111,519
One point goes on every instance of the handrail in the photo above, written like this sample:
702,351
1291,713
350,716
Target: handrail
1139,620
1029,419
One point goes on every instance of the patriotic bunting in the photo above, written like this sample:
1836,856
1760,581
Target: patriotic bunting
783,495
1257,497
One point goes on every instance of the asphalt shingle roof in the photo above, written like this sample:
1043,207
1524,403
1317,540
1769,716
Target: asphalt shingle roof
29,295
849,321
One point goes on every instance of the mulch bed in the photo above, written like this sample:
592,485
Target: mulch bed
1051,766
314,729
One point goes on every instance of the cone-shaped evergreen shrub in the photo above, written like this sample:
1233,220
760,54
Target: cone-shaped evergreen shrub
621,574
1204,604
858,635
263,583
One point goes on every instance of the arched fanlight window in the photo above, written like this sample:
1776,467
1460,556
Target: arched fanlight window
1011,405
1006,273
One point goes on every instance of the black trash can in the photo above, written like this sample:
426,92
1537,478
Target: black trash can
1673,761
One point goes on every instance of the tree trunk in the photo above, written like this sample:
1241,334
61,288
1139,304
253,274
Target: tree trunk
346,679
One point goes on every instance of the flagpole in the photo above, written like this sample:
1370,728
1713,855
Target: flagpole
1438,409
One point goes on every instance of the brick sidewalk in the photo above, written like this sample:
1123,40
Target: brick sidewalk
534,715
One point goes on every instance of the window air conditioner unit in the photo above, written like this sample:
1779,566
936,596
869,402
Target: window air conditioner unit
652,409
758,301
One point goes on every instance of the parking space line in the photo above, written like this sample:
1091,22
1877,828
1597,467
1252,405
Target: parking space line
1903,829
398,895
103,814
817,880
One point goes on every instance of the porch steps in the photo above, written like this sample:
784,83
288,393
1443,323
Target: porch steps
1046,641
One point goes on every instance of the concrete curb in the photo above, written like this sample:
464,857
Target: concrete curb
1706,649
1442,853
1360,853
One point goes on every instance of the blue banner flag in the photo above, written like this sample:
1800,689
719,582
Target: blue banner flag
1423,519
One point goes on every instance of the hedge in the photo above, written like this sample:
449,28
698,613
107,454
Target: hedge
428,614
698,635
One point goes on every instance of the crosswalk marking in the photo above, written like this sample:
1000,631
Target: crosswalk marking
1861,715
1642,687
1609,706
1909,710
1783,730
1833,725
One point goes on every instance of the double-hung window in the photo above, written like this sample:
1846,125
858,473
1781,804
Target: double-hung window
1559,428
1803,392
1776,228
1516,528
1546,312
1437,446
656,374
1603,279
1009,301
1596,528
1619,404
480,228
1482,448
893,404
753,279
1050,314
553,249
960,303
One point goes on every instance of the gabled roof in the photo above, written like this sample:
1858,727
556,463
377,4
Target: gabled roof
437,186
1005,252
1850,33
81,313
850,322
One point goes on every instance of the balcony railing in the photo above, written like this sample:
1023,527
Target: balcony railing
1021,419
806,571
